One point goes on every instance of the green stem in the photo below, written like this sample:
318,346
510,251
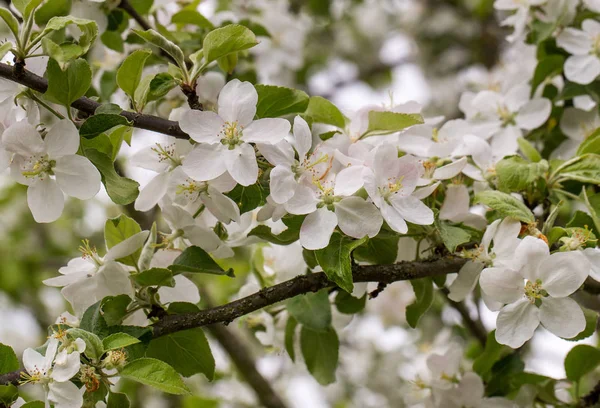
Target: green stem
197,213
45,105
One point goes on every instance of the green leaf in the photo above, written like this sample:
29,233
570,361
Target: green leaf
226,40
8,394
34,404
590,145
65,87
275,101
503,372
93,321
335,260
390,122
154,277
424,298
155,373
547,67
452,236
348,304
286,237
248,198
5,48
101,122
493,352
52,8
378,250
117,400
118,340
8,359
167,46
10,20
320,351
312,309
196,259
320,110
129,73
585,169
591,320
191,16
528,150
505,205
114,309
581,360
516,174
121,190
88,29
93,344
26,7
187,351
160,85
290,334
118,229
113,40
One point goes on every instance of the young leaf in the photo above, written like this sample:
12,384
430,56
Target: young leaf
8,359
187,351
121,190
424,298
129,73
320,351
378,250
118,229
117,400
312,310
51,8
10,20
320,110
515,174
389,122
348,304
275,101
335,260
167,46
505,204
581,360
591,144
64,87
290,334
493,352
452,236
585,169
155,373
547,67
288,236
195,259
118,340
226,40
101,122
88,29
154,277
93,344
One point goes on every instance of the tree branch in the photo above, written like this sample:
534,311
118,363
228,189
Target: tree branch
86,105
304,284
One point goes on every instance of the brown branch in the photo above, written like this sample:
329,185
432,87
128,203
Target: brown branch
126,6
88,106
241,356
591,399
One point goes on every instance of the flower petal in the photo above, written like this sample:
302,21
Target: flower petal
450,170
203,237
127,246
516,323
23,139
582,69
62,139
562,273
563,317
283,184
529,254
46,200
203,127
533,114
317,228
412,210
152,192
237,102
266,131
77,176
502,284
65,394
465,282
357,217
241,164
184,291
221,206
575,41
65,366
304,201
205,162
393,218
348,181
302,136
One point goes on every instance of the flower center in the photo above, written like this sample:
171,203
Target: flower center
507,117
166,153
596,46
191,189
89,252
36,375
534,291
38,166
231,135
392,187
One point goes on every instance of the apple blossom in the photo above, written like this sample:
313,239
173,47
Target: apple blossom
583,66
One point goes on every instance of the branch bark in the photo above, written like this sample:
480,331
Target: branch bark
89,106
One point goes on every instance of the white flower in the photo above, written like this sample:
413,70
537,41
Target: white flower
497,248
593,5
162,158
390,185
535,289
55,376
456,207
208,87
519,19
502,116
223,138
184,225
50,167
184,290
577,125
470,394
87,279
427,141
583,66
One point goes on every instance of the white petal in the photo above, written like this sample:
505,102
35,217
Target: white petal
534,114
357,217
65,368
65,395
425,192
241,164
516,323
32,360
147,158
237,102
203,127
593,256
267,131
582,69
112,280
65,280
465,282
77,176
317,228
127,246
563,316
456,203
283,184
575,122
506,5
184,291
502,284
450,170
562,273
209,85
303,201
348,181
152,192
529,255
412,210
591,27
221,206
506,237
23,139
205,162
472,390
584,102
46,200
393,218
517,97
279,154
203,237
504,143
575,41
62,139
302,136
